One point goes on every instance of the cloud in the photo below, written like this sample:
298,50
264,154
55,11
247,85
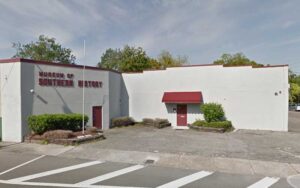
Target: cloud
265,31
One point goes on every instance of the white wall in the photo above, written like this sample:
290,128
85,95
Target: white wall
55,99
247,94
11,102
115,81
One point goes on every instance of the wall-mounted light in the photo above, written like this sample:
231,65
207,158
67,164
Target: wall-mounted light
32,91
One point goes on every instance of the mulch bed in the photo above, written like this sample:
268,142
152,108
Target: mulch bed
72,139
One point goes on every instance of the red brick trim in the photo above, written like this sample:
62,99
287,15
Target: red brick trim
21,60
103,69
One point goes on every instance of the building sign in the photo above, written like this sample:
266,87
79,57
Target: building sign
65,80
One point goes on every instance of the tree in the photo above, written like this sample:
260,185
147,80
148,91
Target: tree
134,59
131,59
236,60
165,59
294,81
294,94
45,49
128,59
111,59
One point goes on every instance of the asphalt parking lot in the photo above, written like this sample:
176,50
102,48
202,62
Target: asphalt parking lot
243,144
52,171
294,121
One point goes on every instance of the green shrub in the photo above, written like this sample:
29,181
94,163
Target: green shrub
46,122
122,121
213,112
199,123
216,124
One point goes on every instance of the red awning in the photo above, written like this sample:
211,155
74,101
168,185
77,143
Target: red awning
194,97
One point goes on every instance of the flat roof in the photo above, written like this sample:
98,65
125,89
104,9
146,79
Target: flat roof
22,60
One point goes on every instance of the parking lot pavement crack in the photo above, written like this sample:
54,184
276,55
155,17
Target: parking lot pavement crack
289,153
251,167
292,166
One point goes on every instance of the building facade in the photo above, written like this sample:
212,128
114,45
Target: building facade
253,98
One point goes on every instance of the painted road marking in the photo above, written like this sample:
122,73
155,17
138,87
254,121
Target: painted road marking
40,184
186,180
264,183
23,164
294,180
56,171
110,175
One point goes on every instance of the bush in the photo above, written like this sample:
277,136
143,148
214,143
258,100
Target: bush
161,123
58,134
219,124
213,112
148,121
158,123
122,121
46,122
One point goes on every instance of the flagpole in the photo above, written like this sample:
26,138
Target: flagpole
83,86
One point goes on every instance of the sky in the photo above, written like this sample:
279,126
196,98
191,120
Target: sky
267,31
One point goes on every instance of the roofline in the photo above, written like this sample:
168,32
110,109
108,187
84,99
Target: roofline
22,60
13,60
205,65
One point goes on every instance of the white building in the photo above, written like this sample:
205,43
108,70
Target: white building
253,98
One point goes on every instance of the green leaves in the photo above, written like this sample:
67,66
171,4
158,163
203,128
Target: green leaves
213,112
46,122
45,49
237,59
294,81
132,59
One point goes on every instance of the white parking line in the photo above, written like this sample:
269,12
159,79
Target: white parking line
110,175
186,180
264,183
40,184
23,164
51,172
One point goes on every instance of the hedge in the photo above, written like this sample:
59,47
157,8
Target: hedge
217,124
46,122
122,121
213,112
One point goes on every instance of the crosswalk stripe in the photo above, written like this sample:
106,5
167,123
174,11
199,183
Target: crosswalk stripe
56,171
23,164
40,184
264,183
186,180
110,175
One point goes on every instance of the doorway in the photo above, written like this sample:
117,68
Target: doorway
181,115
97,117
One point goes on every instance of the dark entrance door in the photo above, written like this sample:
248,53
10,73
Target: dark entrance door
97,117
181,115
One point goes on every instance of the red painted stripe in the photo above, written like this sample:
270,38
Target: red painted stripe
21,60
